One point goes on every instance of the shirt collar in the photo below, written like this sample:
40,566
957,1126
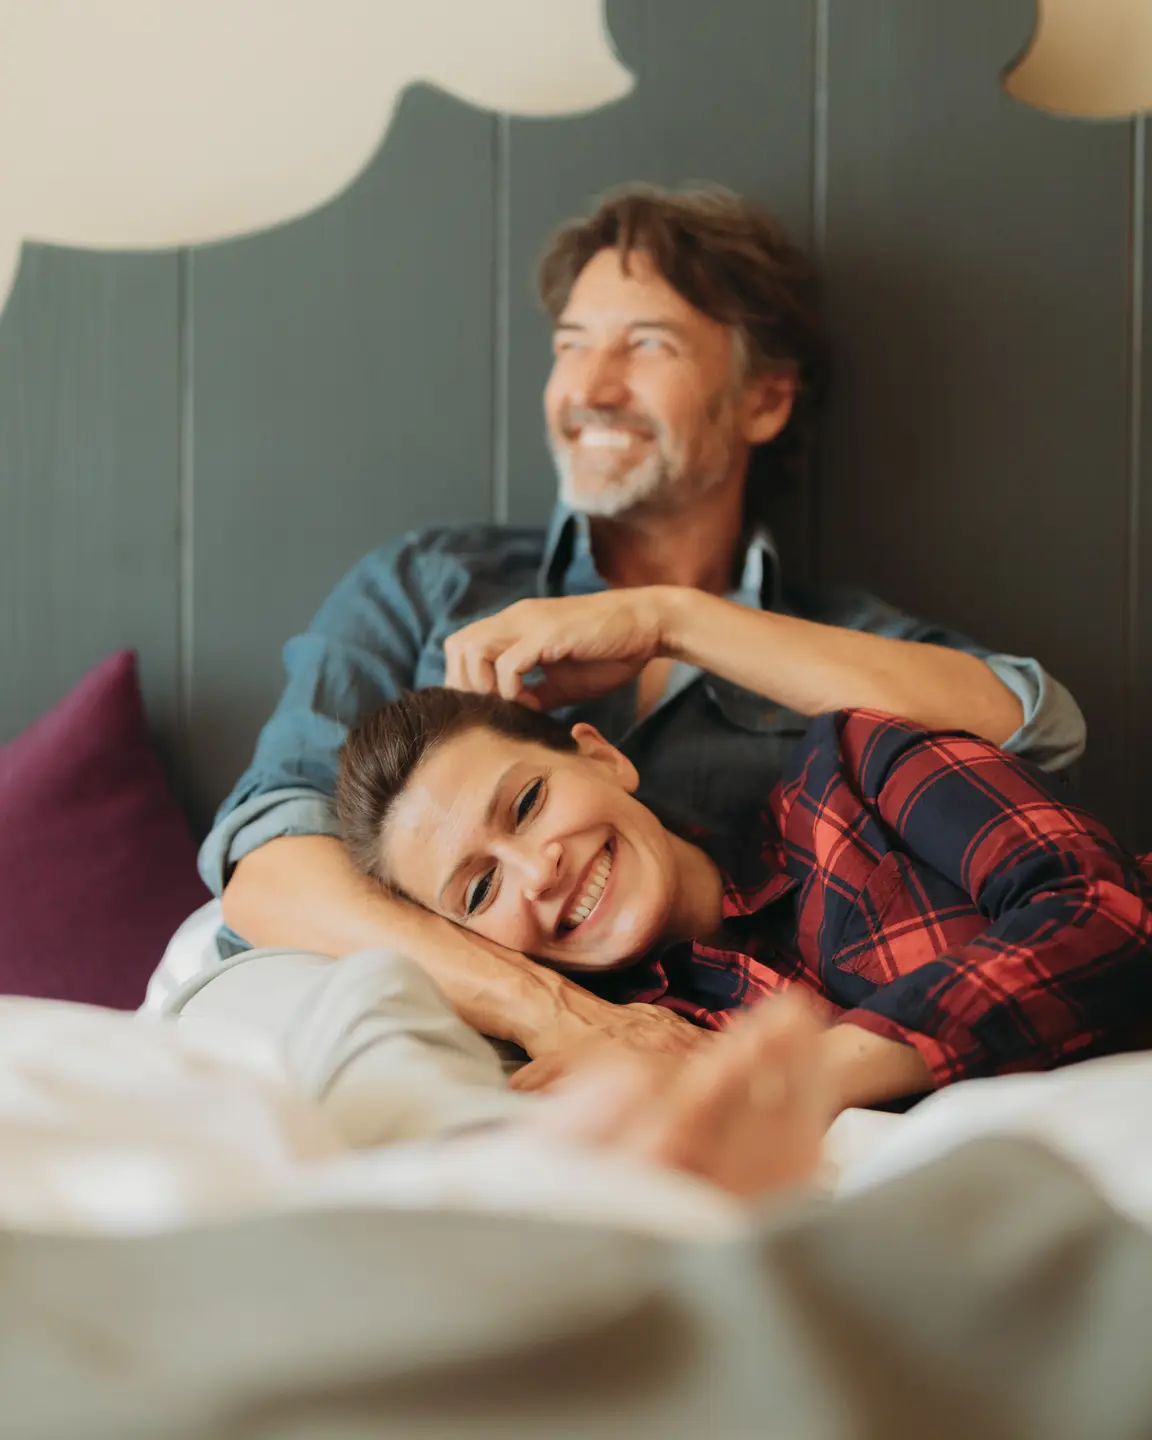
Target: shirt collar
567,537
568,558
760,585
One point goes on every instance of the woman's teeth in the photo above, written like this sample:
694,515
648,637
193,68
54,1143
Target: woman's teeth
588,901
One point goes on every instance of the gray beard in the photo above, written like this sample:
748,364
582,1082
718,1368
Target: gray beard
639,487
653,484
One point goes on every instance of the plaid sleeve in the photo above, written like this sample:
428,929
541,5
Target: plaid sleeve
1065,961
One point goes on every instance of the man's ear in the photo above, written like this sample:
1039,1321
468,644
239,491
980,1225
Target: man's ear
768,402
594,747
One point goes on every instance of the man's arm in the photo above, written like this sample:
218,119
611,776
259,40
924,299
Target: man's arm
274,854
303,892
812,668
586,645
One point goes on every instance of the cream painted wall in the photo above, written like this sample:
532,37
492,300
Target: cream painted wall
149,123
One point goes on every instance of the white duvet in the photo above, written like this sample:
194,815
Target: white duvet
132,1123
129,1123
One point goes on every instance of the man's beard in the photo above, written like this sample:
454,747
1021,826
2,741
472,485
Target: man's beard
647,484
663,481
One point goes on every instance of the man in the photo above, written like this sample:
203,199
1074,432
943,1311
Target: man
688,339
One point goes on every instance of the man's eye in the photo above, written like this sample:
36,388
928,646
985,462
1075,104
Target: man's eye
528,801
479,892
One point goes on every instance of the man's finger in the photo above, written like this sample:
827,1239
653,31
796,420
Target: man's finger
569,682
548,695
537,1074
453,664
468,659
480,672
511,667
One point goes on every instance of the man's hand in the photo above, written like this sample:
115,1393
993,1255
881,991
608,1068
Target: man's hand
585,645
626,1032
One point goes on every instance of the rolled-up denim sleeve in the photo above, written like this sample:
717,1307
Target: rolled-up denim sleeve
361,650
1052,733
264,817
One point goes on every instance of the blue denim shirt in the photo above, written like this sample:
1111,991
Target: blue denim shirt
707,754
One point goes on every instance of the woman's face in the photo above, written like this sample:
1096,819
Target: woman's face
543,851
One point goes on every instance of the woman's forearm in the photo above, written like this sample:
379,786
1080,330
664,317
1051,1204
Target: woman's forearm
813,668
862,1068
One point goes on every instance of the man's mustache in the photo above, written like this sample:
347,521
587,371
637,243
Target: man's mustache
578,416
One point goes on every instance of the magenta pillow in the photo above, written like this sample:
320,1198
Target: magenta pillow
97,863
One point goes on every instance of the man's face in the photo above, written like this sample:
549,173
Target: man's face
646,406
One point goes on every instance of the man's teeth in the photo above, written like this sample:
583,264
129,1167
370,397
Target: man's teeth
592,892
600,437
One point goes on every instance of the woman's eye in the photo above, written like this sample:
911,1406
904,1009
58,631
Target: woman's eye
528,801
479,893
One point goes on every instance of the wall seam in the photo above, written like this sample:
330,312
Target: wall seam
1135,442
821,19
501,318
185,520
821,23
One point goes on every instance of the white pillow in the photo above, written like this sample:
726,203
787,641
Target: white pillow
191,950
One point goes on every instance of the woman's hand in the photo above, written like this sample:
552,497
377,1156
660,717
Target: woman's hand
746,1110
585,645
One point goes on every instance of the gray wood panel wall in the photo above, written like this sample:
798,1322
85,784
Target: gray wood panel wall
194,447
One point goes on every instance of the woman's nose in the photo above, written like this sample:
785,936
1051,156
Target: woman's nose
539,866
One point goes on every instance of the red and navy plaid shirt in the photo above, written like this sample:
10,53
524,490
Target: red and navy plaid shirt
930,889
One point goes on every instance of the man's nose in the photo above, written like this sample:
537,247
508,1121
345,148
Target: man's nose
605,381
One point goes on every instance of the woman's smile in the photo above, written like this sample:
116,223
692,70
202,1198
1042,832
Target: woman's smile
591,895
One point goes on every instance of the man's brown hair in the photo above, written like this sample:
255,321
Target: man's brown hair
726,256
381,754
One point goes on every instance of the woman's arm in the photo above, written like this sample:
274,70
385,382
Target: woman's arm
1066,959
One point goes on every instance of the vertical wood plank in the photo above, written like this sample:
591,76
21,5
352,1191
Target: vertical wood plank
975,465
342,372
723,94
1140,638
89,408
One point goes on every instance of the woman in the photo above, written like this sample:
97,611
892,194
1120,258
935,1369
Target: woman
955,918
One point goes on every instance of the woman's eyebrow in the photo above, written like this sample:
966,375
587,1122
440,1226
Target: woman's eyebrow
486,824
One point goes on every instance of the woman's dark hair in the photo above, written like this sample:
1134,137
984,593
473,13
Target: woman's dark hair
380,754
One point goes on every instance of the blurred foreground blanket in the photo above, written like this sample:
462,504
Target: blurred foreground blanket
991,1293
